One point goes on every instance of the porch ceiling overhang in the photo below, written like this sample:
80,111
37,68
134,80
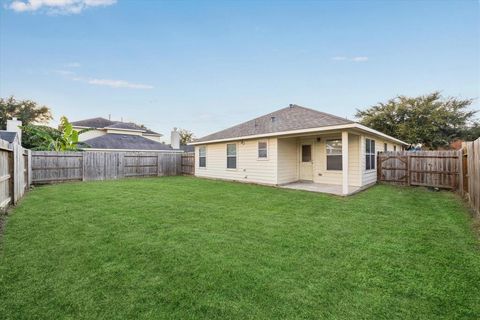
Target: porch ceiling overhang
351,126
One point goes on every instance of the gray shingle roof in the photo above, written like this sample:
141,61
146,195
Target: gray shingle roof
94,123
126,125
125,141
8,136
290,118
99,123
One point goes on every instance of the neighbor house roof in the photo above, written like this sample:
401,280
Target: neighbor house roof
102,123
8,136
125,125
125,142
292,119
94,123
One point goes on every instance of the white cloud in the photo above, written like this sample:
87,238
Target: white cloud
64,72
354,59
118,84
57,6
359,59
70,75
73,65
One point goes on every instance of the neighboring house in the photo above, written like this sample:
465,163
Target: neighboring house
107,135
294,144
13,134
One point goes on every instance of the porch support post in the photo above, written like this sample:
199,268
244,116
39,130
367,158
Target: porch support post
345,162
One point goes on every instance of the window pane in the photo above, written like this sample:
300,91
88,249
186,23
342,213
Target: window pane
231,162
231,149
367,146
306,153
367,162
334,146
394,148
262,153
385,147
202,162
334,162
262,149
202,151
372,162
372,148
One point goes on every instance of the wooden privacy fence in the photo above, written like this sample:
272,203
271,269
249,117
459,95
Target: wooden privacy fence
470,186
441,169
456,170
188,163
52,167
15,176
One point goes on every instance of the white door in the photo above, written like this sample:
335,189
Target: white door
306,161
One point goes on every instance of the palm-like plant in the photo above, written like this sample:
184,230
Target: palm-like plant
63,139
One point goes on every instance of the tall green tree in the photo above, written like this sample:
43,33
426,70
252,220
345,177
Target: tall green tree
429,119
186,136
27,111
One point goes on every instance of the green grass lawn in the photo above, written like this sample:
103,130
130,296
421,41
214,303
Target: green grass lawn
186,248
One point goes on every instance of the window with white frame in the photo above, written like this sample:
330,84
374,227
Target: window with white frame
394,148
262,149
369,154
202,157
334,154
231,156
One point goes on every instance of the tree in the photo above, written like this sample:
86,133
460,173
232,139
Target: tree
65,138
186,136
430,119
472,133
27,111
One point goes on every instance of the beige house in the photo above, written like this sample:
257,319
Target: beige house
295,147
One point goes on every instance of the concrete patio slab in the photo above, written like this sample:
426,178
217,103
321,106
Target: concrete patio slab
321,187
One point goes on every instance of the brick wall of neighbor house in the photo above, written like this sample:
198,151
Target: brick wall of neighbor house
249,167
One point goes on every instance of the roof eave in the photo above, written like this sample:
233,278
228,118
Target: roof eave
309,130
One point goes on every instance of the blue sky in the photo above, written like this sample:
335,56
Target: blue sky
206,65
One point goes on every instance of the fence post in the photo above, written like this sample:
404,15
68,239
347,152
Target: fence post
83,165
11,173
408,170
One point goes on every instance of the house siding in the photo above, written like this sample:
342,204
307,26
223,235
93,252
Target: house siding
370,176
288,158
90,134
249,167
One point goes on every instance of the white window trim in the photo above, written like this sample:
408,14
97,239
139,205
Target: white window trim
326,154
206,152
374,154
268,152
226,157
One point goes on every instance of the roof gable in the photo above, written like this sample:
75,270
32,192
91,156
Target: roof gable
291,118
